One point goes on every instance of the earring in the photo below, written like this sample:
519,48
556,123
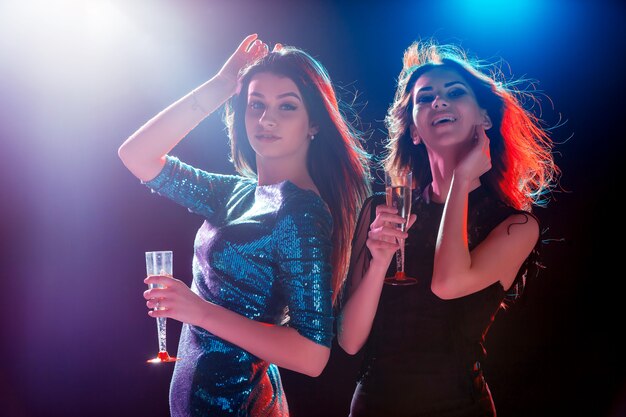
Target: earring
312,137
417,140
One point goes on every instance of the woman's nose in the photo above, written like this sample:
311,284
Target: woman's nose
267,120
439,102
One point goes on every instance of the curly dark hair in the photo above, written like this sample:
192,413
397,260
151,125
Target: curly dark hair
523,167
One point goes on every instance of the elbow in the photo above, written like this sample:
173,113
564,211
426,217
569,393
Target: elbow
316,363
121,152
138,164
442,289
124,154
314,372
348,346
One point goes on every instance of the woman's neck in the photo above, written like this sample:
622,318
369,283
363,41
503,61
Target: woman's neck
439,191
442,171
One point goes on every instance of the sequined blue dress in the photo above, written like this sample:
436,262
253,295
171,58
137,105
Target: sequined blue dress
262,252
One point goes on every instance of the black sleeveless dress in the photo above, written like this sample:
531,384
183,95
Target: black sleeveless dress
423,356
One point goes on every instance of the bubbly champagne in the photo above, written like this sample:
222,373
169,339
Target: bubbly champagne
400,198
160,263
398,186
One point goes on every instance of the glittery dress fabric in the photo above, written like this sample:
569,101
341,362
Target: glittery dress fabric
264,253
423,356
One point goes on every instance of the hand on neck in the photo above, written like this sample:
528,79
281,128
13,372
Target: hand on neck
439,190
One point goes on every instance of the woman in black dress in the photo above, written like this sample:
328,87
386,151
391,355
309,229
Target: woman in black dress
480,162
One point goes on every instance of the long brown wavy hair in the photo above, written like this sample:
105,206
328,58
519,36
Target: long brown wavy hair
336,160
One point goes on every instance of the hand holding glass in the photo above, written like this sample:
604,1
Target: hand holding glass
398,186
160,263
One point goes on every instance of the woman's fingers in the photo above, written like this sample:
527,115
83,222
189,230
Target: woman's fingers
164,280
391,236
154,293
156,303
483,142
387,219
386,215
159,313
162,286
249,50
381,244
482,138
254,50
248,41
159,300
383,208
388,233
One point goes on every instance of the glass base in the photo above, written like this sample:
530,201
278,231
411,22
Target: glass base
163,357
400,279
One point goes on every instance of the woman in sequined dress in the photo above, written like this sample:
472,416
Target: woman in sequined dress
480,162
274,246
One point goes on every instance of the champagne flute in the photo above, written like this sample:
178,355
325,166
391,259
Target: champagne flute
398,184
160,263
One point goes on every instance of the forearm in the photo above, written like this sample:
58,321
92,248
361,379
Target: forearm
144,151
355,322
282,346
452,258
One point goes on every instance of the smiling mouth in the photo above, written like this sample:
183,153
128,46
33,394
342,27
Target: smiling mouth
445,119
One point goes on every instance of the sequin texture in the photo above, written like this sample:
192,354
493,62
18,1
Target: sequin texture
262,252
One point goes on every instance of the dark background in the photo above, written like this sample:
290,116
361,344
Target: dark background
78,77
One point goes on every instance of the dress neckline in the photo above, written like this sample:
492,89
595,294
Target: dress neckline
288,183
281,183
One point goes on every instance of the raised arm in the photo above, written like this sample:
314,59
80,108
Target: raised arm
357,315
457,272
144,151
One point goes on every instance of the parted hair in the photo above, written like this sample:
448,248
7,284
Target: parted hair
336,160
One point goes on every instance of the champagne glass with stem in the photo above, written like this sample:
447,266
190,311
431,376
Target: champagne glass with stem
160,263
398,185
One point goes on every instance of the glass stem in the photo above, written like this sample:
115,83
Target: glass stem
161,326
400,257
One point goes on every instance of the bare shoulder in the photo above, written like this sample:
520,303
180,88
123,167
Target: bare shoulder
526,222
521,227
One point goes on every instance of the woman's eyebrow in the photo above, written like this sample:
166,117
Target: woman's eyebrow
289,94
446,85
451,83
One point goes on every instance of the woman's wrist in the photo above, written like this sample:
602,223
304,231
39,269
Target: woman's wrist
379,266
227,80
208,96
207,315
